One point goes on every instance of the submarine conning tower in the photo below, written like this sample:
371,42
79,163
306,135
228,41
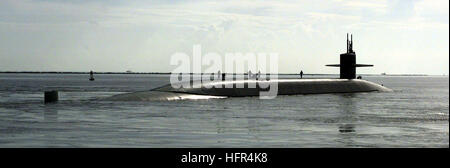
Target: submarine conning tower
348,62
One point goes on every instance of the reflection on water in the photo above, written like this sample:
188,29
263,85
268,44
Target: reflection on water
346,128
50,113
51,122
348,114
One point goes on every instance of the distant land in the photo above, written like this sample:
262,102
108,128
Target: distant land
167,73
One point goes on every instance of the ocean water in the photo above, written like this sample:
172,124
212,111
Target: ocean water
416,114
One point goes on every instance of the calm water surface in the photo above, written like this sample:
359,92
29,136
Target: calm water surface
416,114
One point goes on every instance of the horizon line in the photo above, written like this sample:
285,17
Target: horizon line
103,72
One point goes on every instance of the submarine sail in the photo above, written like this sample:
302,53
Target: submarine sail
348,62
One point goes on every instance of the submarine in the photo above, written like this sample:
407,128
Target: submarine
346,83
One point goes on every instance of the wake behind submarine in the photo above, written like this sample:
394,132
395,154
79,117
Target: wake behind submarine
226,88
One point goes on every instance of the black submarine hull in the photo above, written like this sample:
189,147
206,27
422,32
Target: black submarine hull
243,88
284,87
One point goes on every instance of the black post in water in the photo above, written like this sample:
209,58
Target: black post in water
50,96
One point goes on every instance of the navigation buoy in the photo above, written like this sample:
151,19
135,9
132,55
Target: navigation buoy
92,76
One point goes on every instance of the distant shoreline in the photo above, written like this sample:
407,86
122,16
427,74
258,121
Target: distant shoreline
57,72
168,73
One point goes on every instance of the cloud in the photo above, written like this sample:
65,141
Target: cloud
432,7
50,12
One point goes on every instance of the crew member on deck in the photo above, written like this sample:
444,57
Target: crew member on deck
301,74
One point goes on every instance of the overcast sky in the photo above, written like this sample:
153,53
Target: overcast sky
398,37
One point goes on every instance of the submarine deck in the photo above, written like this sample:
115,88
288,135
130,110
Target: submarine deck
240,88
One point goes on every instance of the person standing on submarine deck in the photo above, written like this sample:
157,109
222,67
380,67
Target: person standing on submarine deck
301,74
